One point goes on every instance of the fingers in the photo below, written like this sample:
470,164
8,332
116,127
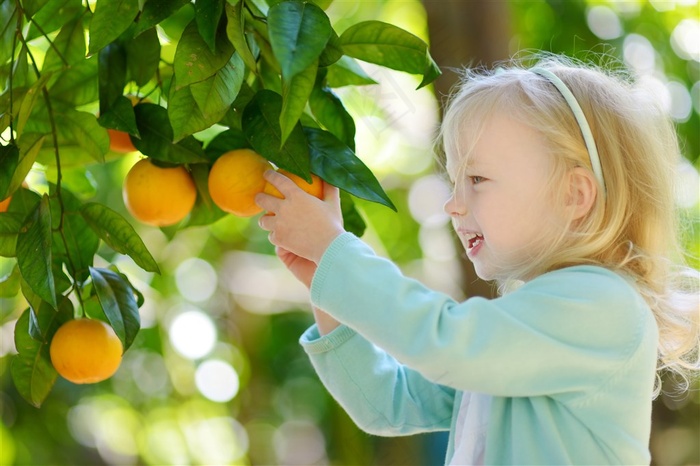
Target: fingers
281,182
267,222
267,202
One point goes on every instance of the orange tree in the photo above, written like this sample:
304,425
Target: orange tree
263,74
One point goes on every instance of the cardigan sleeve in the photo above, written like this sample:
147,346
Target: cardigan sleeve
562,334
382,396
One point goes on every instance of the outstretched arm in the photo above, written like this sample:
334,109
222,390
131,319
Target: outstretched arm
303,270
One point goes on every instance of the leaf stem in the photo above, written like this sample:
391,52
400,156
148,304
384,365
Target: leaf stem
59,176
255,15
51,44
18,31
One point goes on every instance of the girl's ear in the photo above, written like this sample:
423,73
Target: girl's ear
582,192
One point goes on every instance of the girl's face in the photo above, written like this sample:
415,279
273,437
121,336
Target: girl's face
499,205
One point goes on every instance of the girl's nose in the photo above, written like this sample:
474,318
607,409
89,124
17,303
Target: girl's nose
454,207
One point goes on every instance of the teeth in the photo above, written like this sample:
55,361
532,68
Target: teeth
473,239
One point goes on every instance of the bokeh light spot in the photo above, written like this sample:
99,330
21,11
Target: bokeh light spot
426,200
685,39
638,53
192,334
604,22
196,279
217,380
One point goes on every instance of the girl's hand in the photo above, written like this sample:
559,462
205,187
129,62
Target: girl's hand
302,269
301,224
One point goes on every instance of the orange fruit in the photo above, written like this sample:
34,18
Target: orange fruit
158,196
85,351
315,188
234,180
5,203
119,141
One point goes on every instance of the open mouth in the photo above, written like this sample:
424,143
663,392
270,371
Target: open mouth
474,241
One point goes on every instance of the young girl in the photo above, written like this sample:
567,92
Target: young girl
562,192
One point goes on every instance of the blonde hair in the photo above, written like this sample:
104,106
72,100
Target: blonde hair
634,227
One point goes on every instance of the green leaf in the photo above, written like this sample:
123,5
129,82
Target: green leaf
233,117
200,105
390,46
143,57
32,298
431,72
79,132
53,16
204,211
330,112
29,146
118,233
347,72
10,223
215,95
157,137
262,129
32,371
77,85
8,26
225,141
34,252
110,20
155,11
111,71
23,202
194,61
76,244
207,14
352,220
68,47
337,163
298,34
9,160
120,116
295,94
31,7
118,302
9,284
28,102
236,33
45,320
20,72
6,116
333,51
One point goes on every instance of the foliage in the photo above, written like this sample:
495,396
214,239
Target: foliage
260,76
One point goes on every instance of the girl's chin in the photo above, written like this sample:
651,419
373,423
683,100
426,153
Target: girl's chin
483,272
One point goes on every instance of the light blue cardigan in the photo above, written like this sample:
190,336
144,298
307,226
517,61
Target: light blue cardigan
569,358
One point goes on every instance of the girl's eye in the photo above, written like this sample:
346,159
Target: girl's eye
476,179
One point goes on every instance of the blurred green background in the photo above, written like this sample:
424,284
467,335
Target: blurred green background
216,375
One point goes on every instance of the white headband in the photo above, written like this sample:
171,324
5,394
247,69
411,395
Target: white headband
580,119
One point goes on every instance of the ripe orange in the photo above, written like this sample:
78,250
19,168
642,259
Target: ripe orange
85,351
5,203
315,188
234,180
119,141
158,196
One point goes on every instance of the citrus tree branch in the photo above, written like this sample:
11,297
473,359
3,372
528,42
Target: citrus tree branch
59,176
